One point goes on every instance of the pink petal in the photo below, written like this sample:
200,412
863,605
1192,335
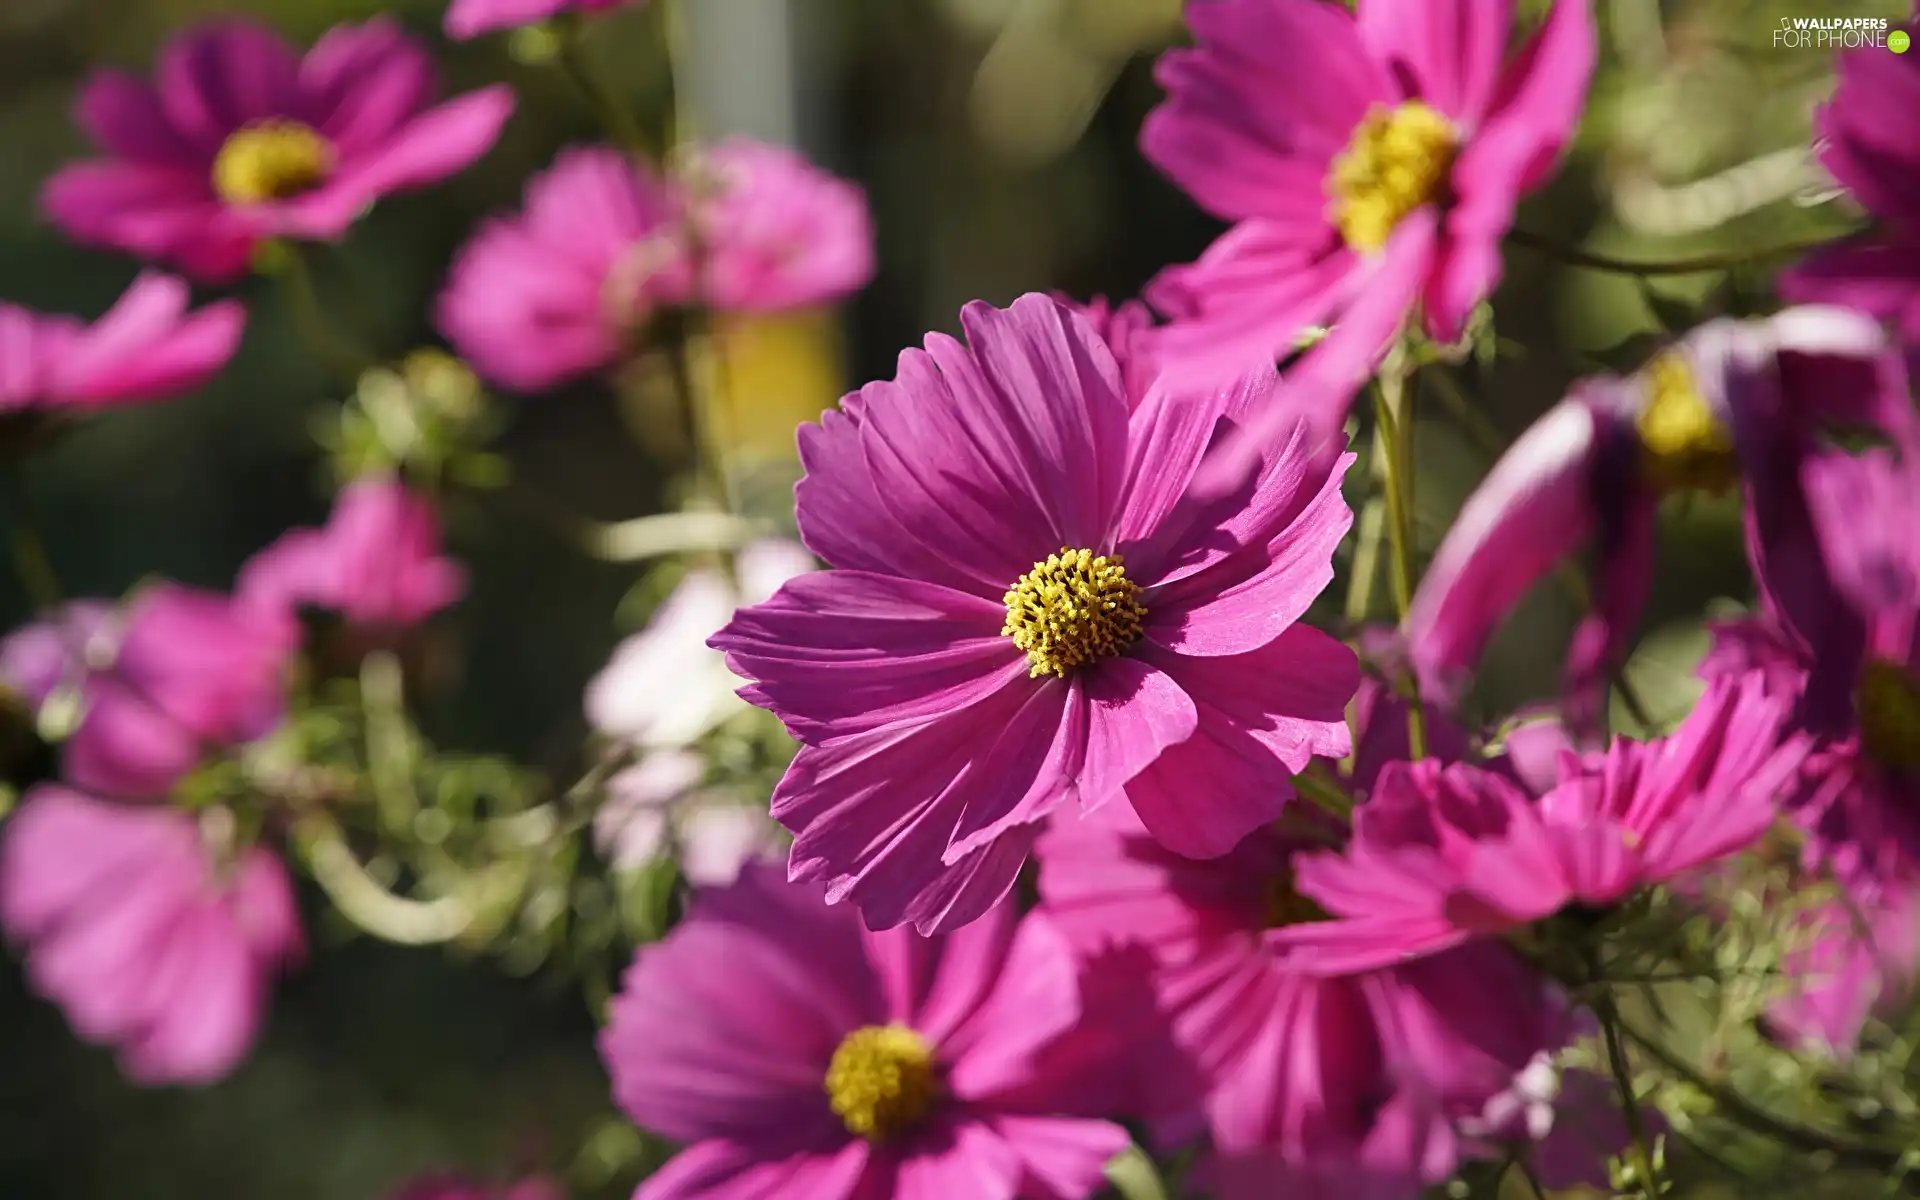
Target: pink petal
720,1170
967,1159
364,82
148,347
468,19
1871,156
156,212
1135,711
63,846
1063,1159
1543,91
1879,278
1035,998
122,114
222,75
1451,51
212,1004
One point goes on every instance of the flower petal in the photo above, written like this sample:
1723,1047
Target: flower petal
1450,51
122,114
225,74
364,82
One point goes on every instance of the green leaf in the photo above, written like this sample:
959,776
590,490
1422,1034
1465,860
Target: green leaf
1134,1176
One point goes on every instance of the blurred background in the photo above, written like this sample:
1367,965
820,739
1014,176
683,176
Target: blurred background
996,141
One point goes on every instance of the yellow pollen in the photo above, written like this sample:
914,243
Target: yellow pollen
881,1081
271,160
1683,446
1074,608
1286,906
1888,701
1398,160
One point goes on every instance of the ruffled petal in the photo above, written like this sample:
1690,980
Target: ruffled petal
1450,51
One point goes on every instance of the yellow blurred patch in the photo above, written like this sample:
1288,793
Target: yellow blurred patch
764,376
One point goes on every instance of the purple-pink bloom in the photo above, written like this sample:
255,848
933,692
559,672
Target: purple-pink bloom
154,937
1030,614
558,290
376,562
1371,162
1731,403
811,1059
1866,140
146,347
1387,1076
1444,855
774,231
175,674
470,18
240,140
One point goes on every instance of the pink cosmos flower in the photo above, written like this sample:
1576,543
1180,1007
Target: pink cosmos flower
562,289
1874,155
468,19
657,808
146,347
774,230
174,674
151,939
455,1187
555,291
1388,1077
665,687
813,1060
1859,959
1733,402
239,140
1371,162
1030,614
1444,855
377,562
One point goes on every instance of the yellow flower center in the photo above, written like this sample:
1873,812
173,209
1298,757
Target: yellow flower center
1683,446
1397,161
271,160
1888,701
1074,608
881,1081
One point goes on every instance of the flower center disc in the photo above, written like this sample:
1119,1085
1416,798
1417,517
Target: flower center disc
271,160
1397,161
1888,702
1683,445
881,1081
1074,608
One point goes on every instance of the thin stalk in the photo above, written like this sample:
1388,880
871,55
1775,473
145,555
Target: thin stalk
30,558
1679,266
1392,410
620,124
1324,792
342,354
1622,1072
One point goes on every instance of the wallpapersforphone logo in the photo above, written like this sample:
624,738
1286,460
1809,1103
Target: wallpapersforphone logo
1838,33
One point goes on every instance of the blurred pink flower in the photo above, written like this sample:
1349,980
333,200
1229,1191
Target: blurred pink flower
1734,402
146,347
180,672
456,1187
152,940
1372,1076
239,140
1444,855
774,230
1859,959
471,18
665,687
1372,162
555,291
377,562
813,1060
1875,157
656,808
1030,614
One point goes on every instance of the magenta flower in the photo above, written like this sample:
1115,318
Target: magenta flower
812,1060
154,937
239,140
175,675
775,231
1371,163
1865,136
377,562
1387,1076
468,19
1859,960
1029,614
1733,402
558,290
1444,855
146,347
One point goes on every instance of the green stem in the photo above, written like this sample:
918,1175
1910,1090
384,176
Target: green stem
1679,266
620,124
1324,792
342,354
30,558
1622,1071
1393,414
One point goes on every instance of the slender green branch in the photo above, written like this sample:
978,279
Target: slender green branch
1393,414
31,561
343,355
1324,792
1622,1072
571,56
1679,266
